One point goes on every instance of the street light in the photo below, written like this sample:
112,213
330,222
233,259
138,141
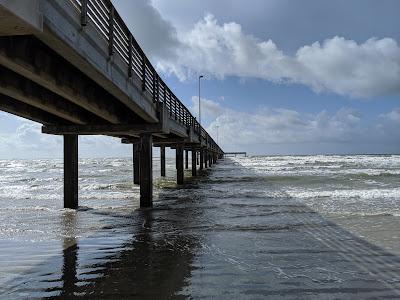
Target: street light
200,77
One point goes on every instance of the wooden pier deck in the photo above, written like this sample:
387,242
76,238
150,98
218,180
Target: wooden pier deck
75,67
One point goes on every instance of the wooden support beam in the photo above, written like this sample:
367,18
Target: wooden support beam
157,141
130,140
170,141
201,159
146,170
110,129
194,165
186,159
162,160
33,60
136,163
28,92
71,171
179,164
26,111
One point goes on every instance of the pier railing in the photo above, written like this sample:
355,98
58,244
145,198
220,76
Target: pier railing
104,17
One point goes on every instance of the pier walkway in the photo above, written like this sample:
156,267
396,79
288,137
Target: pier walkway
74,66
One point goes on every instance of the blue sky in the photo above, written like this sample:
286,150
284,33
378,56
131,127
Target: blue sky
282,76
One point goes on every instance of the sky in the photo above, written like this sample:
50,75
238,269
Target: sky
281,76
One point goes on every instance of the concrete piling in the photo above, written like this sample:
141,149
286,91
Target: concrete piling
179,164
186,159
136,163
71,171
162,160
146,170
194,163
201,159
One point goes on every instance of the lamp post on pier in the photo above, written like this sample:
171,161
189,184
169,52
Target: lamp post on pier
217,134
200,77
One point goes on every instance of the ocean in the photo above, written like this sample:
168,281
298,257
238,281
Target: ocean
290,227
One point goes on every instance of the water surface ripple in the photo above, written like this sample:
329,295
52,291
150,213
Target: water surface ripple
315,227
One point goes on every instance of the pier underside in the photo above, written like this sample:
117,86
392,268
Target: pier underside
60,68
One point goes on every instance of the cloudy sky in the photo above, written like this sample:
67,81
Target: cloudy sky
281,76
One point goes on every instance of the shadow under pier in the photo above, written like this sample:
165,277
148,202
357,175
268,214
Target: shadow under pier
156,261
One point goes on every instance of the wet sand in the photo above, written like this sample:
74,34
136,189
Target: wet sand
203,241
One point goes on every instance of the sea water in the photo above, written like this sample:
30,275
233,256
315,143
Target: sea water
248,227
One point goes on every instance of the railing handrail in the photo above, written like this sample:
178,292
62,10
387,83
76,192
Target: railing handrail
103,15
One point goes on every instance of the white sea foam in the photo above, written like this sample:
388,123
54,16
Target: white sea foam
333,184
361,194
341,185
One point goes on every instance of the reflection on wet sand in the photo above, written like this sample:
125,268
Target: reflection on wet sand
70,256
155,261
69,277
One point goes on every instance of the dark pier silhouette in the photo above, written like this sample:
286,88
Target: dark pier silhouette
75,67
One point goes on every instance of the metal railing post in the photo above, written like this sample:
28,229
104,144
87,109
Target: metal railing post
84,12
143,73
130,56
111,32
154,86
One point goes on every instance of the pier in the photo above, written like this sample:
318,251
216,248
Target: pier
235,154
75,67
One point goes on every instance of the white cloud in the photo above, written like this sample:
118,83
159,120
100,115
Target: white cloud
27,141
157,36
103,146
337,65
290,131
348,68
209,108
267,130
282,126
393,116
388,127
